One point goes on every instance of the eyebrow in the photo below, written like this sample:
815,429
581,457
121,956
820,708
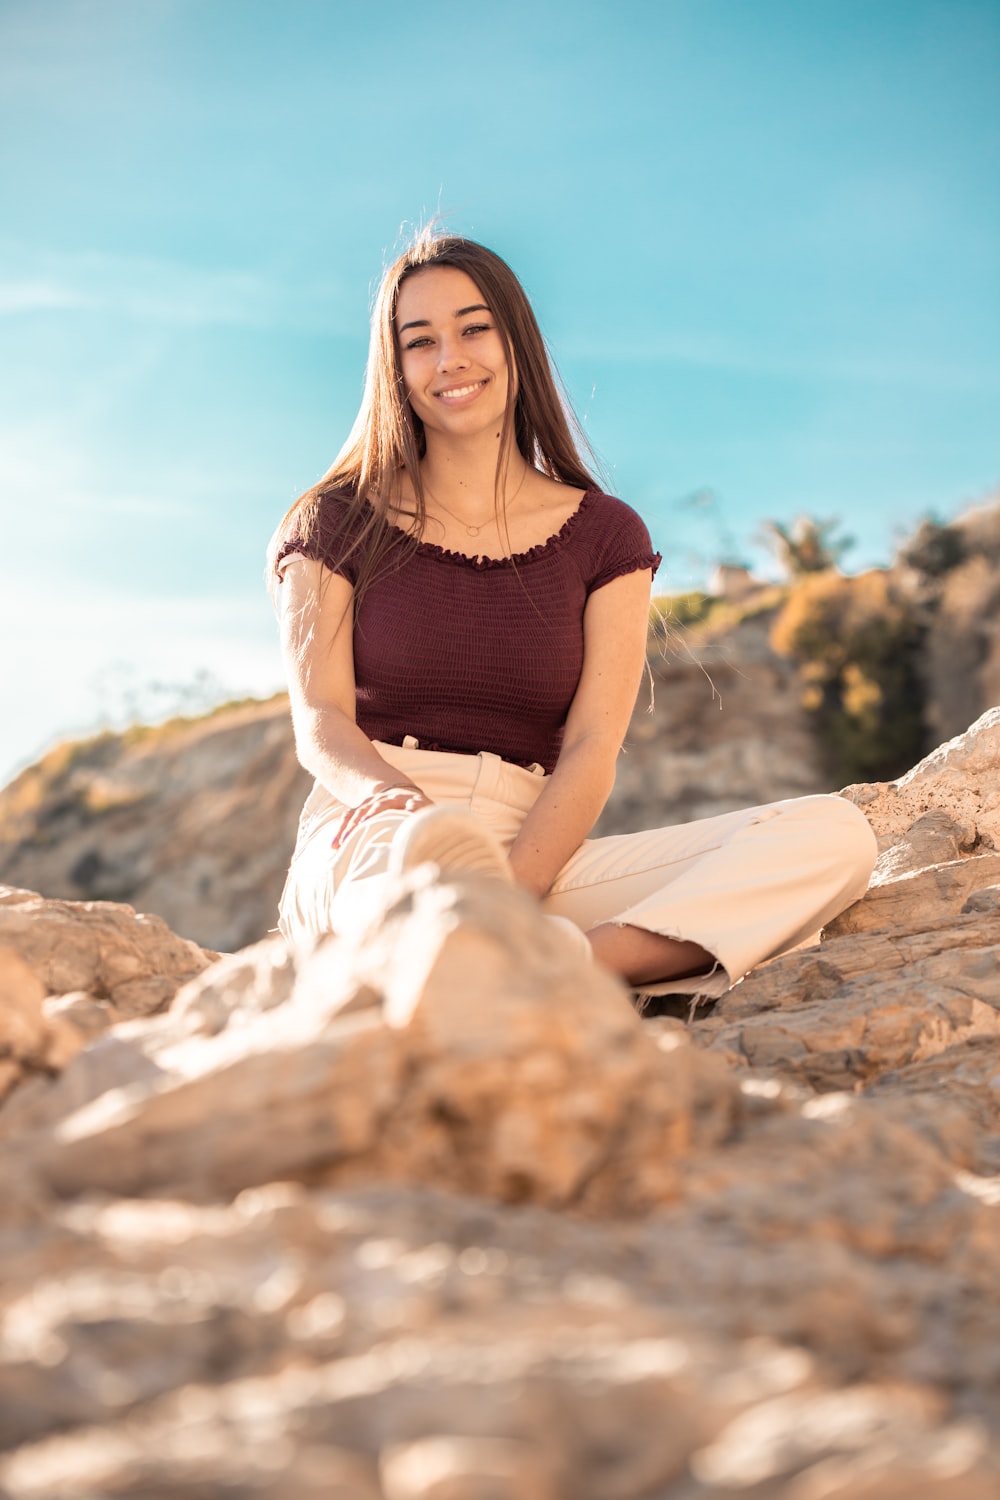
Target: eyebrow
459,313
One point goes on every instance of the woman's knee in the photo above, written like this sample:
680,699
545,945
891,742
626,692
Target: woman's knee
840,828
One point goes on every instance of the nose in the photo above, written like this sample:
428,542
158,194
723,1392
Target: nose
451,354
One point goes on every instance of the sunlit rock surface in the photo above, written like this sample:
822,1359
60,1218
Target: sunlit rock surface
431,1212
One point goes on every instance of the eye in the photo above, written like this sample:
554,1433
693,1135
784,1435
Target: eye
418,343
477,328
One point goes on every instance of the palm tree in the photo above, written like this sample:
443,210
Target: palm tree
808,545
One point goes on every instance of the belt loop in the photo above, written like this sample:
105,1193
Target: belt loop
488,776
410,743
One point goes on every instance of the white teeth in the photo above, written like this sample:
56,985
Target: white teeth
459,391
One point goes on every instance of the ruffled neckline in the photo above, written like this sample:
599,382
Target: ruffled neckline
482,564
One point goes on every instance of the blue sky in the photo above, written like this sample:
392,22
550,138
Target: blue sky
762,238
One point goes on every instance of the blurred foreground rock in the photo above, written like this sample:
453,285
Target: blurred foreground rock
71,969
431,1214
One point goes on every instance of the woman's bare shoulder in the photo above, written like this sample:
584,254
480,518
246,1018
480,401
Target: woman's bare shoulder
551,496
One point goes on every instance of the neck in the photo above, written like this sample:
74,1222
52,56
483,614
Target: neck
463,477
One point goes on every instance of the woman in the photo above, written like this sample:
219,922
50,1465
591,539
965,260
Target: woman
464,617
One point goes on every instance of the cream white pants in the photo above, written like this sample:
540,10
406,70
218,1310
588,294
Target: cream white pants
745,885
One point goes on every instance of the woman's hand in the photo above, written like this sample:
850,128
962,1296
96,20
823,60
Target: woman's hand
387,797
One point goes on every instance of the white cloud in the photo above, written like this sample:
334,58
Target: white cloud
159,290
37,294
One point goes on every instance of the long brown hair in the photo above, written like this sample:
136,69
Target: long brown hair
387,438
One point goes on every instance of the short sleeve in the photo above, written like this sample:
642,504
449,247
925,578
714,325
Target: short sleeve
332,540
620,544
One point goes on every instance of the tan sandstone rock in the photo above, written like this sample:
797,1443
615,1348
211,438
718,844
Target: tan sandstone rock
866,1002
959,778
462,1040
919,897
109,951
32,1041
22,1019
162,1345
431,1212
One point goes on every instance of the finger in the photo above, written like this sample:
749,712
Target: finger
339,836
393,799
356,817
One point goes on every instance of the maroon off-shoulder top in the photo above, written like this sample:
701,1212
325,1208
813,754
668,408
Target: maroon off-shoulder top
472,654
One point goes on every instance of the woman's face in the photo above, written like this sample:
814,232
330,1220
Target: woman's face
451,353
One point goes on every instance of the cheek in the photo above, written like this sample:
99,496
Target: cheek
410,371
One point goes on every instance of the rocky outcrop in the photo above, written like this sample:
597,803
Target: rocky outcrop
954,793
431,1212
194,821
379,1065
69,970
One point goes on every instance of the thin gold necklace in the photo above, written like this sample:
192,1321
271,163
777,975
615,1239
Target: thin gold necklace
472,530
475,530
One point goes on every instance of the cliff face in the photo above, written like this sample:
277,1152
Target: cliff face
960,597
193,821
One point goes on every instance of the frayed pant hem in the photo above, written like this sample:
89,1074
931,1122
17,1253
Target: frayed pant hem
706,986
710,986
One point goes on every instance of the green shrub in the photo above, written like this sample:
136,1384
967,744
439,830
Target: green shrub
856,643
680,609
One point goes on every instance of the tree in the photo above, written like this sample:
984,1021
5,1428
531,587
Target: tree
857,643
808,545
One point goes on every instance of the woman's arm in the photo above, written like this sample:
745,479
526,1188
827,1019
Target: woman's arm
316,619
615,625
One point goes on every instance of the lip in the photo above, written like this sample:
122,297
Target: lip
457,395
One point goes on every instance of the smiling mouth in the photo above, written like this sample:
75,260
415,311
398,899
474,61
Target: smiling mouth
459,392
